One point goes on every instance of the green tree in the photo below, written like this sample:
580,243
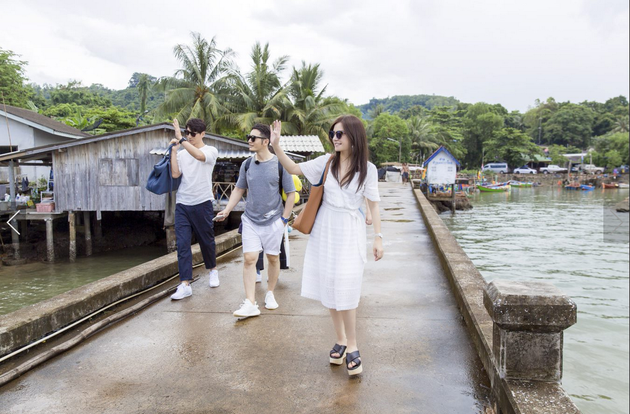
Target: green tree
381,148
200,88
512,146
571,125
481,122
12,80
257,96
144,85
422,141
311,113
446,130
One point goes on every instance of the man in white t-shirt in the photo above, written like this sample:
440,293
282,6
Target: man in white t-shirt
193,211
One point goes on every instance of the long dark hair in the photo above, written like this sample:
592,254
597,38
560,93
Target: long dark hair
355,131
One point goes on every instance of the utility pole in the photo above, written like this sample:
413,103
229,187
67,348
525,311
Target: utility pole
539,129
399,147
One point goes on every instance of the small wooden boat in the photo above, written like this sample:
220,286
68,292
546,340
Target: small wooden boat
610,186
494,188
585,187
573,186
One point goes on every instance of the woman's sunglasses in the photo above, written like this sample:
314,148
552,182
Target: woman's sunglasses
252,138
192,134
333,134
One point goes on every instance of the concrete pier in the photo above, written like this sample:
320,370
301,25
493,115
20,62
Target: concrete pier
194,356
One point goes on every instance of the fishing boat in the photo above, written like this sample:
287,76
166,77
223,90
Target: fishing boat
624,185
494,188
610,186
573,186
519,184
585,187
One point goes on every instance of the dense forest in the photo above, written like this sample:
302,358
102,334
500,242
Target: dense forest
210,86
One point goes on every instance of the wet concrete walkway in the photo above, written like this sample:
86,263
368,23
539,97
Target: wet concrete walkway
193,356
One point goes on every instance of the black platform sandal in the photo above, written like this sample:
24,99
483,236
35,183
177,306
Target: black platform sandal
338,349
356,358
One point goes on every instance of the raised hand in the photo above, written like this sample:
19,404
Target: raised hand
276,129
178,131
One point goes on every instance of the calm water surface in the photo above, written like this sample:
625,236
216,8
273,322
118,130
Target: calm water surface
563,237
31,283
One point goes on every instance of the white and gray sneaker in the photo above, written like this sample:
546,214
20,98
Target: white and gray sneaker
214,278
183,291
247,309
270,301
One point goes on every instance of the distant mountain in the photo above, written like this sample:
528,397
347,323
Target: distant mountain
400,102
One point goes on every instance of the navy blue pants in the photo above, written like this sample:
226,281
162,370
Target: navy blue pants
197,219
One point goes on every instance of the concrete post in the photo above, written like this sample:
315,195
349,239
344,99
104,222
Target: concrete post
15,241
73,236
88,233
171,240
98,229
528,323
50,245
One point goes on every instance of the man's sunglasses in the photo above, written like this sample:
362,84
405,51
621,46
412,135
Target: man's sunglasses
192,134
252,138
333,134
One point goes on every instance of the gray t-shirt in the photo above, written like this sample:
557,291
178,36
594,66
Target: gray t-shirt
264,203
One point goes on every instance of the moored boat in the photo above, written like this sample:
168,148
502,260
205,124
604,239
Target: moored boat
610,186
494,188
585,187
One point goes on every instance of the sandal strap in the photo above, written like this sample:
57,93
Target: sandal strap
353,357
338,349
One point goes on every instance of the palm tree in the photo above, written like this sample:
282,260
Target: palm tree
200,88
144,84
258,96
422,141
621,124
310,113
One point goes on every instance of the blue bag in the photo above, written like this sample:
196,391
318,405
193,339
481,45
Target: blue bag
160,180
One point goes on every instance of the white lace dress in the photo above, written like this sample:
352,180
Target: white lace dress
336,250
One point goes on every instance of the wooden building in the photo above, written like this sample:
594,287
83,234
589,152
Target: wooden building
106,173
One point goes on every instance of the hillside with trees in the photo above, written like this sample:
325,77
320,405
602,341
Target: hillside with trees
209,85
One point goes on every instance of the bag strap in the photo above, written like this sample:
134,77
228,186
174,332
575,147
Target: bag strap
322,180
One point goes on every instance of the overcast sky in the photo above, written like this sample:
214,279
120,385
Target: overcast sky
496,51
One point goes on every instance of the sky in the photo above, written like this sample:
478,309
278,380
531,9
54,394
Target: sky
510,52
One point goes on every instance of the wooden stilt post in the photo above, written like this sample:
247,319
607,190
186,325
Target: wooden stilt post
73,236
24,229
98,228
50,245
454,200
88,233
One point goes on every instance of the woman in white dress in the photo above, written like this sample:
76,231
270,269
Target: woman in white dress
336,252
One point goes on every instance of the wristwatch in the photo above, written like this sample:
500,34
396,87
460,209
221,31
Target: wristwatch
379,235
284,220
182,140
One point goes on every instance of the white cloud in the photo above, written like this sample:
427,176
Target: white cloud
509,52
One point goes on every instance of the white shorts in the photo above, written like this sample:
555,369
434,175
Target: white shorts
258,238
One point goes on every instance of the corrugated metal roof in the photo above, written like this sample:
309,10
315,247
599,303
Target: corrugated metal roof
301,143
223,154
50,125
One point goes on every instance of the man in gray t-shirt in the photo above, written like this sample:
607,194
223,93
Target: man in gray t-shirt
264,218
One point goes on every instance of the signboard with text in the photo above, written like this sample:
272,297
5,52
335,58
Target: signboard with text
442,170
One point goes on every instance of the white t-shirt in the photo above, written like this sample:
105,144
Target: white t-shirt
196,185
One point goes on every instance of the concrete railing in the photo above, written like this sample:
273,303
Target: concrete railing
516,328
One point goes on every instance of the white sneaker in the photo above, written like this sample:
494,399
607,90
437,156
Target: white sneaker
247,309
183,291
258,276
270,301
214,278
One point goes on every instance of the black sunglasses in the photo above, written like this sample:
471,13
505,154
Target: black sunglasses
333,134
252,138
192,134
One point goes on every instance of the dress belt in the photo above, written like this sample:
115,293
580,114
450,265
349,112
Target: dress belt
356,215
